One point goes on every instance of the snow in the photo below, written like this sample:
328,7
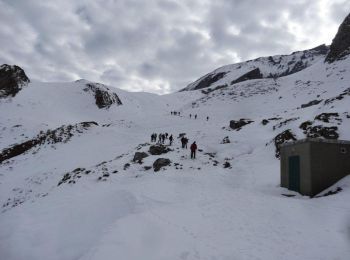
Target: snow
198,211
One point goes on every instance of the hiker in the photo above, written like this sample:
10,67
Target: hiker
193,150
207,118
195,116
190,116
152,137
183,142
163,138
171,140
186,141
159,138
166,135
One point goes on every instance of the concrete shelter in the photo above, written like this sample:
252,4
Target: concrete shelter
311,165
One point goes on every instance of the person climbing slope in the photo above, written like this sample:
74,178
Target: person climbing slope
193,150
171,140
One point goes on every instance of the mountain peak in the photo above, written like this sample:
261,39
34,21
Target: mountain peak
340,46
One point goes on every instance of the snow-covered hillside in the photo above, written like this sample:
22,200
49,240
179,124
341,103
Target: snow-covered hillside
266,67
70,187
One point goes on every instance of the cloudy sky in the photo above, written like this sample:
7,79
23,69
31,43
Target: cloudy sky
157,46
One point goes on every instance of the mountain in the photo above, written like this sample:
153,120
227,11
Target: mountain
81,179
340,47
266,67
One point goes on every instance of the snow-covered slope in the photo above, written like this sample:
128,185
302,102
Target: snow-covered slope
77,193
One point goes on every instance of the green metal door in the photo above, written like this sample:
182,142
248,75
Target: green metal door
294,173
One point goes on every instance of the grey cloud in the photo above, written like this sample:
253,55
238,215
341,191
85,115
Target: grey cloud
155,45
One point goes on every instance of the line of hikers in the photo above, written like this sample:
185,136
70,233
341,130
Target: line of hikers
162,138
175,113
184,142
195,116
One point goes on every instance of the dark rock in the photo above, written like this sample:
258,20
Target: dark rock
322,131
285,122
209,90
227,165
331,192
282,138
139,156
311,103
158,149
339,97
65,178
264,122
253,74
340,46
305,125
147,168
12,79
103,96
59,135
325,117
237,125
205,81
159,163
126,166
226,140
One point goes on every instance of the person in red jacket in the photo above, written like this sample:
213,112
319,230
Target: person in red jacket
193,150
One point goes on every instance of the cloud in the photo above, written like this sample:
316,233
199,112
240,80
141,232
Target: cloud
158,46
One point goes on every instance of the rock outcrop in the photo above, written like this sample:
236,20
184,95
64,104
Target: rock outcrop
12,79
104,97
253,74
59,135
340,46
237,125
281,138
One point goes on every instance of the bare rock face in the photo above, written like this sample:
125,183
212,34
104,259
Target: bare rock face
12,79
253,74
206,80
103,95
340,46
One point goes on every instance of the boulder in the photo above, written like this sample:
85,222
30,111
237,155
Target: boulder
159,163
158,149
226,140
237,125
139,156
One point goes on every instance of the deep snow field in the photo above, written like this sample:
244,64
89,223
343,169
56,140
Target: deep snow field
192,209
